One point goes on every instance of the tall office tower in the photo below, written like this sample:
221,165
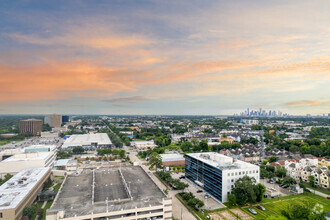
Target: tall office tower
65,118
248,111
33,126
54,120
259,111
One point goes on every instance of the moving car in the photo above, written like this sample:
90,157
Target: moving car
253,211
261,207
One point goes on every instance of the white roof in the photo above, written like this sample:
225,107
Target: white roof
28,156
12,193
87,140
171,157
221,161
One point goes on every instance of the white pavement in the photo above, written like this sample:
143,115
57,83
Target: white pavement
318,193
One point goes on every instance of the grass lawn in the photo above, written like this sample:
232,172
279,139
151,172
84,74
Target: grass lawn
39,204
4,142
57,186
275,206
47,206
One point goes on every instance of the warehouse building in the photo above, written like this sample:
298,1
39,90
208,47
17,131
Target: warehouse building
20,191
98,140
125,192
175,159
217,173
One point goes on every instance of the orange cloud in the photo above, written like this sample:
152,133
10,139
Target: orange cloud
302,103
61,80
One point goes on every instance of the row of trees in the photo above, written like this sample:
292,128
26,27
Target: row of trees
114,152
191,200
175,183
268,171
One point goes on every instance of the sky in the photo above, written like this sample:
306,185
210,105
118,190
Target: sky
164,57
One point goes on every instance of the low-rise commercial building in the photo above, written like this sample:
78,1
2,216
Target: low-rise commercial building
175,159
20,191
31,157
125,192
98,140
217,173
143,145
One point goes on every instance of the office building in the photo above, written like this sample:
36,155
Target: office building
20,191
98,140
65,118
54,120
125,192
30,157
217,173
33,126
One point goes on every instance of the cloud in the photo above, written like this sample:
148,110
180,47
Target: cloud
302,103
127,100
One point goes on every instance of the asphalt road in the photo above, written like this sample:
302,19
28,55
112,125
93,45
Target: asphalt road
318,193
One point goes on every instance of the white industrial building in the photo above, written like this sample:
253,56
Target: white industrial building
34,156
97,140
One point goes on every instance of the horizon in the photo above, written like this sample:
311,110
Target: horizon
209,58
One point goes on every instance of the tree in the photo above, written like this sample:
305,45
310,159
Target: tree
280,171
289,181
155,160
311,180
260,191
30,211
245,190
186,146
78,150
122,153
272,159
231,199
204,146
295,211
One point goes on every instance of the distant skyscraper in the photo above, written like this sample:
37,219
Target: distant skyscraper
248,112
65,118
54,120
33,126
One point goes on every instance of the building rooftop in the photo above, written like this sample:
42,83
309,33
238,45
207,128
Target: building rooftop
28,156
18,187
87,140
221,161
172,157
114,189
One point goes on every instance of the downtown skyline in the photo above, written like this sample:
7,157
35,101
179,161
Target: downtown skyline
153,57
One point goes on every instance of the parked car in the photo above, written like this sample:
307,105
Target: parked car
328,197
307,190
285,186
207,196
253,211
199,191
261,207
182,177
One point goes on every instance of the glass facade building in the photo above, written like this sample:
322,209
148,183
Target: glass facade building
205,175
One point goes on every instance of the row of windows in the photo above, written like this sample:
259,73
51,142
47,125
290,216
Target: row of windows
242,172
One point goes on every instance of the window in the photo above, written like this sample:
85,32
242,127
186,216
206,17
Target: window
232,174
239,173
243,172
236,174
232,180
228,174
256,171
250,172
0,214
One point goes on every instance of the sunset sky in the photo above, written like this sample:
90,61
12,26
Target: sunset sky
164,57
